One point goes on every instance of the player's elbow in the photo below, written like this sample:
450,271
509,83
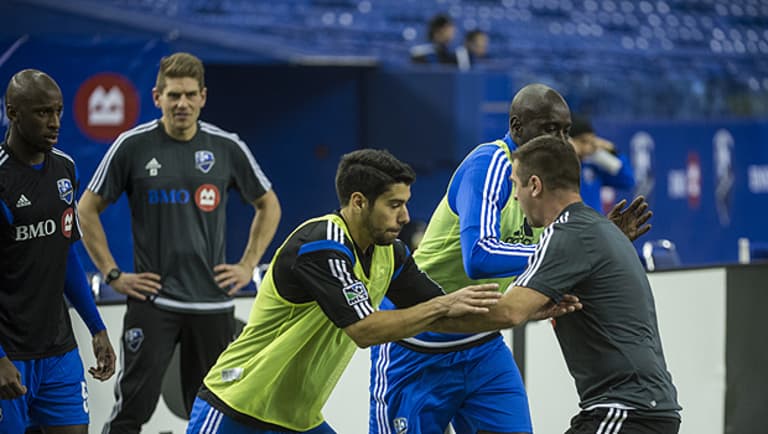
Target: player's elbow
363,343
473,266
361,335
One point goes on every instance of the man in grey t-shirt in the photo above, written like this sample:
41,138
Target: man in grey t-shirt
176,172
583,264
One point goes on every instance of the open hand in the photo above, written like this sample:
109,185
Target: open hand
632,220
472,299
569,304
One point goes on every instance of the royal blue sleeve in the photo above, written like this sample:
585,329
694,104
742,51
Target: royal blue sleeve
478,192
624,180
79,294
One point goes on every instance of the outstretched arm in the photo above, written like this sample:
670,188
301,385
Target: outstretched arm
517,306
392,325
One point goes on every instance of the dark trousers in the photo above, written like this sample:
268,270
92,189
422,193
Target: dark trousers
616,421
149,339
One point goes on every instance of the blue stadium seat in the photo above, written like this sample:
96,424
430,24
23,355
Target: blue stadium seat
580,45
660,255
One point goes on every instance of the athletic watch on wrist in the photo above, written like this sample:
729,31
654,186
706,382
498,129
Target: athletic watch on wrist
112,275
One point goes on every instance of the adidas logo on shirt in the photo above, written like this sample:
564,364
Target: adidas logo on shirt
23,201
152,166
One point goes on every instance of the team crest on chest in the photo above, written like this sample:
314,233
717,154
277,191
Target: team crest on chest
204,161
66,192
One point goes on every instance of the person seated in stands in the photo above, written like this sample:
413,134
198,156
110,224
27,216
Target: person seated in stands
441,32
473,51
601,164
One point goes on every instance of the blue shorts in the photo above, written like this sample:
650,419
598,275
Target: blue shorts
56,394
477,389
207,420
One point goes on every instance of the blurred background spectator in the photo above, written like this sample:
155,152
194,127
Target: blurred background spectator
601,164
474,49
441,32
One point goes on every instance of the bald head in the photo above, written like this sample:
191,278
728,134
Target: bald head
27,84
538,110
33,104
535,98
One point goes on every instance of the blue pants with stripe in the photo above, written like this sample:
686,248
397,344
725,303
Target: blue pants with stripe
207,420
477,389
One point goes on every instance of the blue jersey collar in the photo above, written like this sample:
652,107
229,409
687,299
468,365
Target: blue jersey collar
508,140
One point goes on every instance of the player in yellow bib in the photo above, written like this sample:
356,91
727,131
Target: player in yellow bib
318,301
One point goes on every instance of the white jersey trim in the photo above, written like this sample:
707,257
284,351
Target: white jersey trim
216,131
97,182
447,344
61,153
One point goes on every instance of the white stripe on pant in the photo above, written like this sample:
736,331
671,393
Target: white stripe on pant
613,421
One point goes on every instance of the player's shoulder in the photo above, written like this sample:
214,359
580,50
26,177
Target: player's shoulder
62,157
219,134
137,136
401,250
577,218
325,231
5,158
319,235
485,154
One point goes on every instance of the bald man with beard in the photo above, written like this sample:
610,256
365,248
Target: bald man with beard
477,234
42,381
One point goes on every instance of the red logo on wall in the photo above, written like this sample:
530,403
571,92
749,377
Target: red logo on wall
207,197
67,221
106,105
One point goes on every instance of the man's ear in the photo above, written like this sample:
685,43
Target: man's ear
10,112
536,186
514,125
156,97
203,96
358,201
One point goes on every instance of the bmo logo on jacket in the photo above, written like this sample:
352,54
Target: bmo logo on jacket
207,197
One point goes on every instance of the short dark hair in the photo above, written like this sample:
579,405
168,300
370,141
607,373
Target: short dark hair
438,22
180,65
550,158
473,34
371,172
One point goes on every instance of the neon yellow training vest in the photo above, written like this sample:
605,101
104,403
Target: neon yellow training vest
289,357
439,253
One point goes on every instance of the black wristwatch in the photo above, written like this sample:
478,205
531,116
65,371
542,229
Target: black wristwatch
112,275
